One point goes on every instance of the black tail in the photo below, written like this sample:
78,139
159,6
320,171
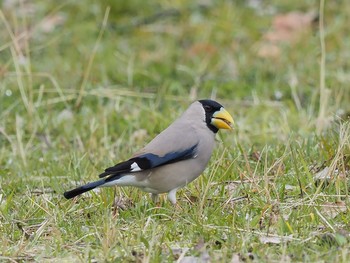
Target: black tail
82,189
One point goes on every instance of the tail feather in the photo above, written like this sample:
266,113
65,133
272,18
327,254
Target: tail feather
82,189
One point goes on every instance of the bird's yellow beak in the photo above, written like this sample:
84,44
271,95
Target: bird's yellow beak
222,119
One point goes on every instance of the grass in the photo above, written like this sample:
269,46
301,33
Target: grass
84,85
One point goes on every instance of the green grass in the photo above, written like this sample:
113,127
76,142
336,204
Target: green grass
82,95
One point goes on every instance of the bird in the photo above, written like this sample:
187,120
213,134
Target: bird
174,158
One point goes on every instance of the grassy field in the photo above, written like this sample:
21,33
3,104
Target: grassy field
85,84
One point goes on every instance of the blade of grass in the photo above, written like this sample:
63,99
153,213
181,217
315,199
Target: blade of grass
91,58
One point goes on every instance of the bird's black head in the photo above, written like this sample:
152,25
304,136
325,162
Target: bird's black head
216,116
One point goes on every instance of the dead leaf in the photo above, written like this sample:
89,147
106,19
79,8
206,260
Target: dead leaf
178,252
64,116
236,258
122,202
292,23
198,49
331,210
286,29
200,246
274,239
289,27
203,258
289,187
269,50
323,175
189,259
231,187
255,156
48,24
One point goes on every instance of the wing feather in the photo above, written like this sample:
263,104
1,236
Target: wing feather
149,160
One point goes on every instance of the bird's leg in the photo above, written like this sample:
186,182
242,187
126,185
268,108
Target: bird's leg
172,199
172,196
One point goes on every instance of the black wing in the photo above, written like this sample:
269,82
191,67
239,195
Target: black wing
149,160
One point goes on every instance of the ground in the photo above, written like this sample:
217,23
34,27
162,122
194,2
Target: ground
85,84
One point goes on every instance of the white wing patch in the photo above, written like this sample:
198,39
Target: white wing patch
134,167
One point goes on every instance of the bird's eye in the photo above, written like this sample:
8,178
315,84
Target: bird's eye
207,108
